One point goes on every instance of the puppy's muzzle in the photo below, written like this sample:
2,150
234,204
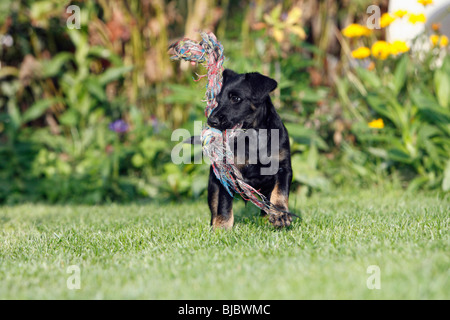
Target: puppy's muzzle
217,121
213,122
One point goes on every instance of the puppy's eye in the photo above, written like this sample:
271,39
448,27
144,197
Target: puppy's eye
234,99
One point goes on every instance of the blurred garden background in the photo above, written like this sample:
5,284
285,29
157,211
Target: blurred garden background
86,114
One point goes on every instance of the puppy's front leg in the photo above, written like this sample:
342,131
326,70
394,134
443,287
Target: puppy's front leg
220,204
280,198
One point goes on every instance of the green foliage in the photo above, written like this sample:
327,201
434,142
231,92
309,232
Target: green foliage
416,137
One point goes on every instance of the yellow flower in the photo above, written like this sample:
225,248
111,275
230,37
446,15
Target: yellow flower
434,38
361,53
356,30
444,41
399,46
376,124
381,50
414,18
386,19
400,13
441,40
425,2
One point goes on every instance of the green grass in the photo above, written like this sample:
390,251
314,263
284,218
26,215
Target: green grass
167,251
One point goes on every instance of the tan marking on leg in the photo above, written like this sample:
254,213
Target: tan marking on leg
214,202
220,221
279,199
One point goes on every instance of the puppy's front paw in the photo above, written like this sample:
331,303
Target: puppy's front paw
280,220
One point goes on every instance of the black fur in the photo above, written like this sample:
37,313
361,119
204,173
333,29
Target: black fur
244,99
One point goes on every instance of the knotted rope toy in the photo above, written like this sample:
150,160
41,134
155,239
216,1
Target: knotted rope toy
215,143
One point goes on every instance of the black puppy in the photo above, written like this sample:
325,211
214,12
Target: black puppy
244,102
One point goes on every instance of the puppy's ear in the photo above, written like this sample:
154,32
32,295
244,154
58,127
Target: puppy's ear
227,74
261,85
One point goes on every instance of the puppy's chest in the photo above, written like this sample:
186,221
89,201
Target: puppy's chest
252,175
253,146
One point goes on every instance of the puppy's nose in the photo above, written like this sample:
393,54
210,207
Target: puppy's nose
213,122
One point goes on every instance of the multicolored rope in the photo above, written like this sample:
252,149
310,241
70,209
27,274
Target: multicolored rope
208,50
215,143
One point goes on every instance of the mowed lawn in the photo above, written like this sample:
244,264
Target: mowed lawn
167,251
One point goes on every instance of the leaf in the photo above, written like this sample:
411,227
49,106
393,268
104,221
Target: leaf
294,15
112,74
305,136
53,66
311,95
416,183
313,157
400,74
298,31
369,78
69,118
40,12
184,95
284,83
424,102
81,42
378,152
14,114
442,86
96,89
446,180
38,109
426,131
199,184
434,113
268,19
361,170
276,12
379,105
304,174
399,155
104,53
431,149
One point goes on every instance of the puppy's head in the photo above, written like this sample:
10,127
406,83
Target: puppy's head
241,99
